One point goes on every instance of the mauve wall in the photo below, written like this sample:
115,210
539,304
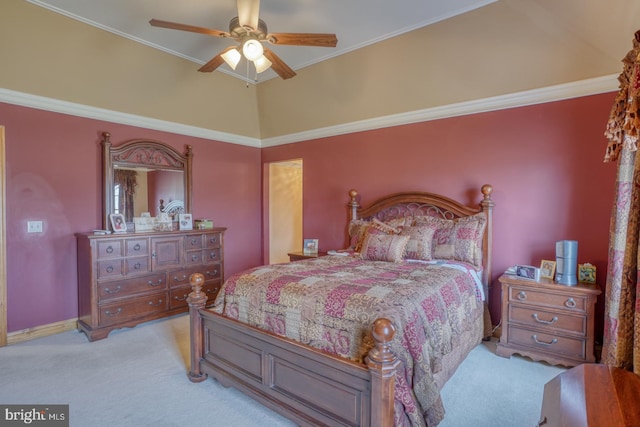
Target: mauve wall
544,162
53,174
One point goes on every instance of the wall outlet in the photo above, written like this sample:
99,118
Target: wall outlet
34,226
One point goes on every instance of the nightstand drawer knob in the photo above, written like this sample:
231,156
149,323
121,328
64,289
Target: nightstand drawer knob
570,303
553,320
522,295
535,338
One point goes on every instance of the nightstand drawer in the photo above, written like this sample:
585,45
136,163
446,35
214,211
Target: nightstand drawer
548,298
550,344
548,320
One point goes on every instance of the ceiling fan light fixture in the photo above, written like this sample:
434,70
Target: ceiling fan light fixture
252,49
232,57
262,64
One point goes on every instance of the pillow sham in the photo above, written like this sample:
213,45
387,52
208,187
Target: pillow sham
420,242
383,247
459,239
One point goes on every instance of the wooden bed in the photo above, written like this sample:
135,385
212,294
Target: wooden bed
310,386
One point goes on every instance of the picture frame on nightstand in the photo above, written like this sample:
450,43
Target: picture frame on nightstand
310,246
547,269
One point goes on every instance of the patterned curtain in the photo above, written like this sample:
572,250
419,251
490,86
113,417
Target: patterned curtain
621,346
127,181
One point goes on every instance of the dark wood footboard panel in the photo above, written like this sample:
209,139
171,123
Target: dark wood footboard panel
307,386
287,377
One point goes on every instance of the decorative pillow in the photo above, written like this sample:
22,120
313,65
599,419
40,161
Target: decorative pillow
467,234
357,229
420,242
383,247
459,239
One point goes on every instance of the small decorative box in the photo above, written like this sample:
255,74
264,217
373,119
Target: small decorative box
586,273
203,224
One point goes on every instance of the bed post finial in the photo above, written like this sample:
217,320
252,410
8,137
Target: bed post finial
353,204
382,363
196,300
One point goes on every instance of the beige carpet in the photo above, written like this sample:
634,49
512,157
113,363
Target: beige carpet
137,377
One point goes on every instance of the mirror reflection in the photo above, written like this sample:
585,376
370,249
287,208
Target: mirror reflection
140,190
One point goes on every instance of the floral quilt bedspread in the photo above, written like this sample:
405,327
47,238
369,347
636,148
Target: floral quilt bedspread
330,303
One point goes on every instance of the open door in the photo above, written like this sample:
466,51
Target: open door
285,209
3,246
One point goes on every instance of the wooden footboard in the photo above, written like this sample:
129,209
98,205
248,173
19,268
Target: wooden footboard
308,386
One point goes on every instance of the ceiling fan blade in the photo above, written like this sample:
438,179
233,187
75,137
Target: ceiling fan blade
215,62
278,65
303,39
191,28
248,11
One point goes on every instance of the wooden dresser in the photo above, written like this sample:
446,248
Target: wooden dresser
547,321
126,279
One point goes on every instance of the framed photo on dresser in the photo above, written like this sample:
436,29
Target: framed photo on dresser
118,223
547,269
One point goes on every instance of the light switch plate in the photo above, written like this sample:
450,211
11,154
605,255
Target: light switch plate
34,226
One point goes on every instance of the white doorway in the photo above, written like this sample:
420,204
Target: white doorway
3,245
285,209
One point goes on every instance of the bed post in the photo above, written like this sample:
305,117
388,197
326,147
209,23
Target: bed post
353,204
487,207
196,300
382,364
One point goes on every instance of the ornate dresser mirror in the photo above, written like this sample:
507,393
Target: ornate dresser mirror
142,176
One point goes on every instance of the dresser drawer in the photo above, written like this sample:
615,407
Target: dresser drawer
194,258
110,269
137,247
546,298
131,308
179,296
551,321
109,249
121,288
138,265
547,343
213,240
193,242
211,256
180,278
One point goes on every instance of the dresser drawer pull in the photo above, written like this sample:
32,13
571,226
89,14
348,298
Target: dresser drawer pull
570,303
110,313
212,273
109,250
180,279
522,295
535,338
110,269
112,291
136,247
137,266
553,320
150,283
212,291
194,242
213,240
194,257
156,303
183,298
212,255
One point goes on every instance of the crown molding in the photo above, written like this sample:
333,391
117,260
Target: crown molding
519,99
86,111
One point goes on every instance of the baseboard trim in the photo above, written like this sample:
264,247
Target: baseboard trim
41,331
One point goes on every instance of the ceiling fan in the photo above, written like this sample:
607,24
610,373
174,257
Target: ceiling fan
251,32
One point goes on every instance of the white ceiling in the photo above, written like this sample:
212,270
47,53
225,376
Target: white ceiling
357,23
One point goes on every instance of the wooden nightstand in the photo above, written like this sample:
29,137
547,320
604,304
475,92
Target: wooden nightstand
297,256
547,321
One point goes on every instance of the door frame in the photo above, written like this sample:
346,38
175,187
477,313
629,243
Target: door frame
3,244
